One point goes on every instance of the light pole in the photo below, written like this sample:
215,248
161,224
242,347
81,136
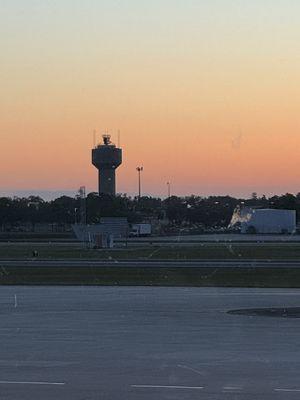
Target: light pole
139,170
169,189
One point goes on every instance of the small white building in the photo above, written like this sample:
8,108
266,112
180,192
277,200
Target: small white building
264,220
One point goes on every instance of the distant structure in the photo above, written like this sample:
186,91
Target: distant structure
264,220
106,157
102,234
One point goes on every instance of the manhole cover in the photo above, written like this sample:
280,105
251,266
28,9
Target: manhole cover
288,312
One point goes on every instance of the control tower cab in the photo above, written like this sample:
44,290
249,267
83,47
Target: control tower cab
106,157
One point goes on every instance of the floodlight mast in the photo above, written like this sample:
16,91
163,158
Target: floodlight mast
169,189
139,170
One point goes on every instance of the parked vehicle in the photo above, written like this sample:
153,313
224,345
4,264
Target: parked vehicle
139,230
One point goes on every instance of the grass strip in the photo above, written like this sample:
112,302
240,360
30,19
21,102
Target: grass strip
220,251
154,276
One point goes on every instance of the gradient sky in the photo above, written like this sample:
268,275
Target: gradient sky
206,94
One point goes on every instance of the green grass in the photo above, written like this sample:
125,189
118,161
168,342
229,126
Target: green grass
154,276
218,251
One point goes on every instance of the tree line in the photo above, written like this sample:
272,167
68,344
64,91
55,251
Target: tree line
212,211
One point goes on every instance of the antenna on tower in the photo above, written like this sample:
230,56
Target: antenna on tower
94,138
119,137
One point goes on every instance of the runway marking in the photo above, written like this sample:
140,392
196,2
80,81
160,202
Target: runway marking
287,390
167,387
16,301
232,388
31,383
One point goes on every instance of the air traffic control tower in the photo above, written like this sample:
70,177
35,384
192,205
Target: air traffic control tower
106,157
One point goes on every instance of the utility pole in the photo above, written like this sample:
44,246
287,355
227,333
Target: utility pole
75,215
139,170
169,189
82,196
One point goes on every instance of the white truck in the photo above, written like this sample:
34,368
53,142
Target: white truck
139,230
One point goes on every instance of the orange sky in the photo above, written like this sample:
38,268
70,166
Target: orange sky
206,96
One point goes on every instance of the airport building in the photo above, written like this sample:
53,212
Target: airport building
251,220
106,157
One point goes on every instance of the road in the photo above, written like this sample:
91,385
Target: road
80,263
220,238
111,343
179,240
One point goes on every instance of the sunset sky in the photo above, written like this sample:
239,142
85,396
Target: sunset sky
206,94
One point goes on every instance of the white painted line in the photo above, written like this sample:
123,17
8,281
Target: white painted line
31,383
287,390
167,387
16,301
232,388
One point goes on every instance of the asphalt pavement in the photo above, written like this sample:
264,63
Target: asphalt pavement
84,343
73,263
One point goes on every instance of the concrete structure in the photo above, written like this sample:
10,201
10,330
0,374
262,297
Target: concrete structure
105,232
251,220
106,157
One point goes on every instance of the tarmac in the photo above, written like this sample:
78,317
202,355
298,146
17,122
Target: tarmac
85,263
86,343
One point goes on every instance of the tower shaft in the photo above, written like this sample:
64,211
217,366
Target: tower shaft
107,181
